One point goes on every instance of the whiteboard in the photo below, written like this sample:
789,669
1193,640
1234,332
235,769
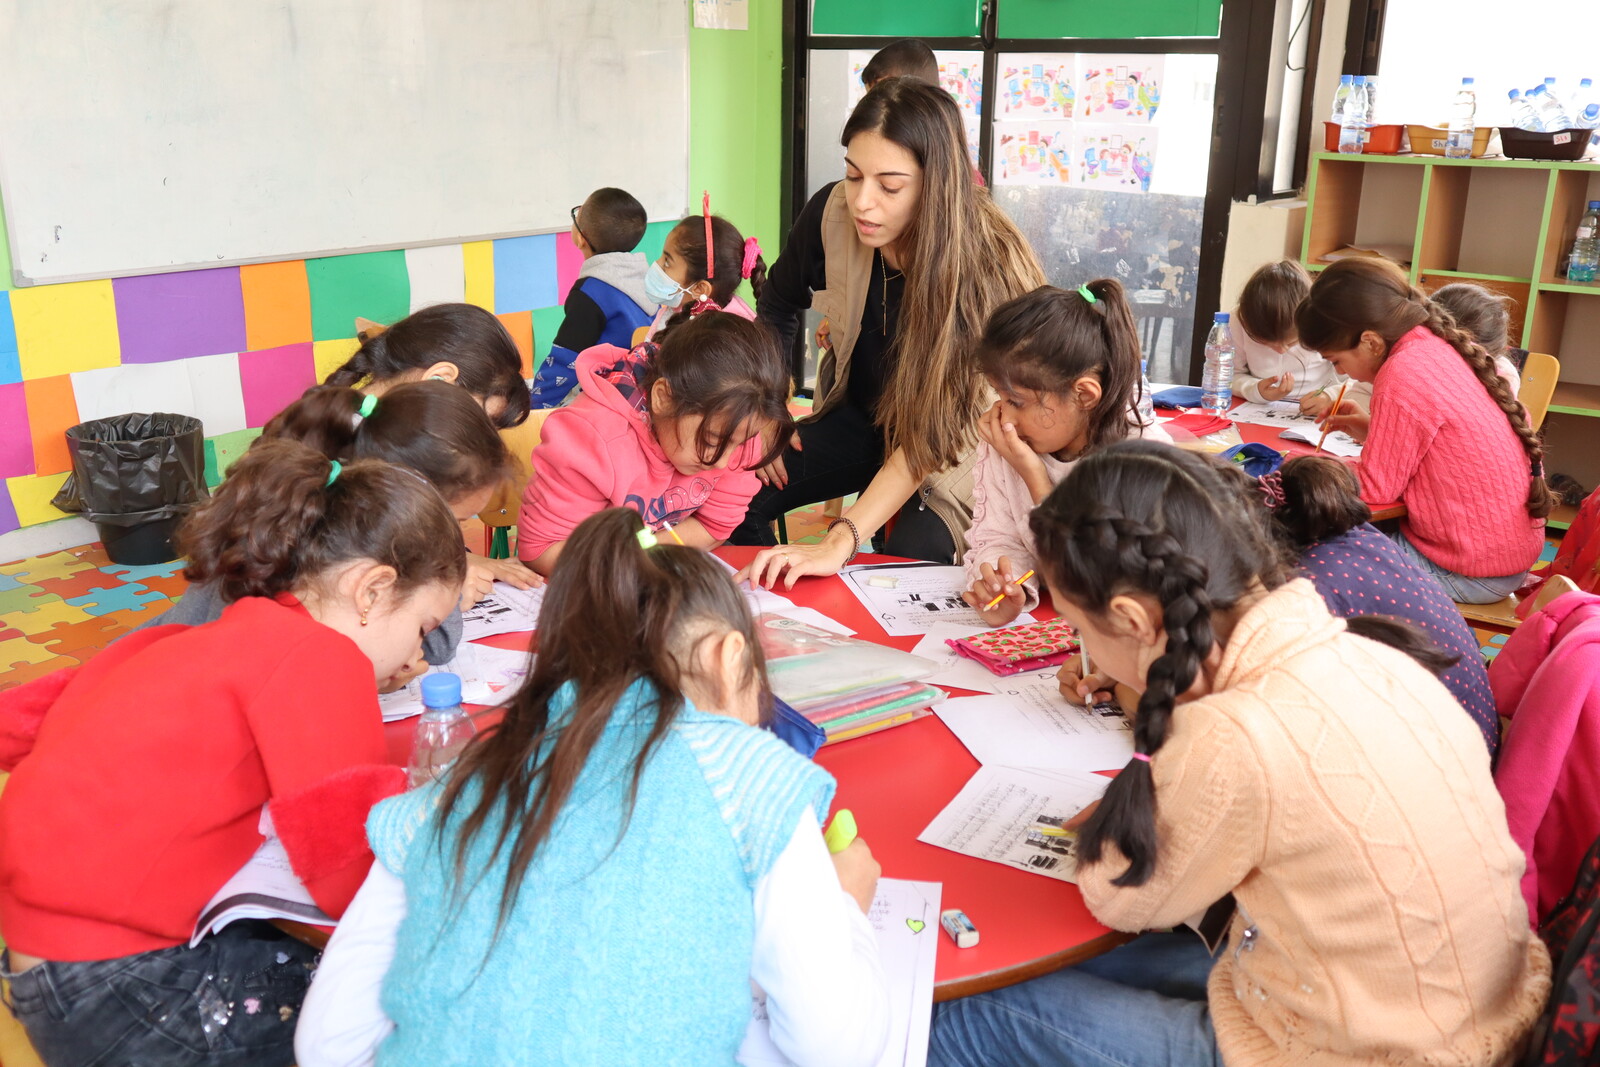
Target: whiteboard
143,136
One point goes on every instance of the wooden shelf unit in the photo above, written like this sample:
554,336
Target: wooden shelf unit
1505,224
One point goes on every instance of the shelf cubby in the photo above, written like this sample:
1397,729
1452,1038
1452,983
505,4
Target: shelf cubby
1358,204
1482,221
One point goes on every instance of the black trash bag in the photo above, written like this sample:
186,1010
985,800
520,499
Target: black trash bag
135,476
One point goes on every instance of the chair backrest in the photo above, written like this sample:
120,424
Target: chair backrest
502,509
1554,586
1539,375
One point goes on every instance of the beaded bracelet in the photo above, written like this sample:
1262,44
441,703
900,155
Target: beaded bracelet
854,533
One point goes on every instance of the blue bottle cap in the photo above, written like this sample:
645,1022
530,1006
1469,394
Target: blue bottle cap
1221,316
1361,79
1467,81
1536,90
1514,94
1594,205
441,690
1346,79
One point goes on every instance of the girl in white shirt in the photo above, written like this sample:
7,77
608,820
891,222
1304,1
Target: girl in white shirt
601,877
1269,362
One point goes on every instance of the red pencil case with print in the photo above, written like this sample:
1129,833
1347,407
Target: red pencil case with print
1019,649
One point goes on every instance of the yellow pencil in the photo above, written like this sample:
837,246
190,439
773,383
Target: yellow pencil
990,605
1326,427
667,526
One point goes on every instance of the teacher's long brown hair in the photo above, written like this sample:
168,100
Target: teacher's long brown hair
962,259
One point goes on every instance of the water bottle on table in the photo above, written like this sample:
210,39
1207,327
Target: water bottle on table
1463,122
1216,383
1585,262
1523,116
442,732
1147,404
1552,116
1350,126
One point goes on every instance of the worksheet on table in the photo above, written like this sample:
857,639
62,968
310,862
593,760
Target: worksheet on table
1337,442
909,599
1280,413
1035,726
483,669
905,916
1014,816
506,610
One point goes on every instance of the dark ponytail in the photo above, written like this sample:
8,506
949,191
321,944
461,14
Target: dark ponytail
1321,500
1046,340
434,428
615,613
487,361
275,524
689,237
1148,517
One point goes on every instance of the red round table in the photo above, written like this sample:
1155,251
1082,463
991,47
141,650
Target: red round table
895,782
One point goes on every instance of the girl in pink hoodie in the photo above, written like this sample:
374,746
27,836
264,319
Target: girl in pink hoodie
674,432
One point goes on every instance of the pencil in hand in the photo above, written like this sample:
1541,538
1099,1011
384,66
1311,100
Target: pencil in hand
990,605
1327,423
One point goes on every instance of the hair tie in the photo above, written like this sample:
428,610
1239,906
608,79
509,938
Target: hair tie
647,539
369,403
334,467
1083,291
1271,486
711,259
752,249
1141,757
703,306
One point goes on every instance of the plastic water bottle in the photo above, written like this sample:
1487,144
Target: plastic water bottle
1350,127
1463,122
1147,404
1586,248
1522,115
1366,83
1216,384
1584,97
1341,96
442,732
1590,119
1552,116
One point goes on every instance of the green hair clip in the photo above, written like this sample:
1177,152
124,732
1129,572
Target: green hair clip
1083,291
369,404
334,467
647,538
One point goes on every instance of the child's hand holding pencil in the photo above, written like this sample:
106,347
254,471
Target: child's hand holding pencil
1346,416
998,595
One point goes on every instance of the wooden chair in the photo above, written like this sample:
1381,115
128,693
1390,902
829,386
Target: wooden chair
1501,616
1539,376
501,513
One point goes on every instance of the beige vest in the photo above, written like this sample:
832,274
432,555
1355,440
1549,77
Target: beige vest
848,272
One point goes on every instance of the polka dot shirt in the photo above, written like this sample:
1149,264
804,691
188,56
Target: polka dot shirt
1362,572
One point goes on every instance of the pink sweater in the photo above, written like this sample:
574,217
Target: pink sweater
601,452
1547,680
1441,445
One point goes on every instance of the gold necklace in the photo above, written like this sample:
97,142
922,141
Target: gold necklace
883,264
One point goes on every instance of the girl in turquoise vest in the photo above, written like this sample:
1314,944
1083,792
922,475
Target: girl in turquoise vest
601,878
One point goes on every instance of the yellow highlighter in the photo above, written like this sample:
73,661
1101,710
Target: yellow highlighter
841,832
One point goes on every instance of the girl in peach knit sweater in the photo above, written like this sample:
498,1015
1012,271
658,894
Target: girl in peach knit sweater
1326,780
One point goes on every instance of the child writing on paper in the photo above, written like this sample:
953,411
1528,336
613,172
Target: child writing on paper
1272,364
144,787
686,283
674,433
1310,766
1065,364
600,878
430,427
1445,437
608,301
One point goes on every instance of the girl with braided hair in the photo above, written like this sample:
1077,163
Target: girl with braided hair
1308,766
1447,437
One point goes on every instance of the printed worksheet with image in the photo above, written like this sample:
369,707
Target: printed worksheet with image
955,670
1014,816
506,610
1035,726
1336,443
484,671
905,916
910,599
1280,413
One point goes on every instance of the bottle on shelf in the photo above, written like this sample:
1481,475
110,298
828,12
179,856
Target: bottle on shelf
1216,382
1463,122
1341,98
1584,97
1372,102
1147,404
1523,116
1552,116
1351,133
1590,119
442,732
1365,114
1585,262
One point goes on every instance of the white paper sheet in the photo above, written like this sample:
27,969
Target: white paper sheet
955,670
906,918
266,887
506,610
1013,816
1338,442
924,595
1035,728
813,617
484,671
1280,413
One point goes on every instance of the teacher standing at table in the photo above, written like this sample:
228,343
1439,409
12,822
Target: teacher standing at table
906,257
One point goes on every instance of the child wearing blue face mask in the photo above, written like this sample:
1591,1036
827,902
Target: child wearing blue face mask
685,280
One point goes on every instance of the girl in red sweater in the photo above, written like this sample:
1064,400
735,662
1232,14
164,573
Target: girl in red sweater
145,787
1446,437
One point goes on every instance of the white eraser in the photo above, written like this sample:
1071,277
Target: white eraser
959,927
883,581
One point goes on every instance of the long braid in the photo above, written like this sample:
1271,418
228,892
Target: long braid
1441,322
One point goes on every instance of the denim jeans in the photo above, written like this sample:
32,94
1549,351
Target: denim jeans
1462,589
1141,1005
231,1001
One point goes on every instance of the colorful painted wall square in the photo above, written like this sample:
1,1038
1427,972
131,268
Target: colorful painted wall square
519,324
1033,153
10,366
274,379
569,261
16,445
52,410
277,304
438,275
373,285
8,510
1119,87
218,393
329,356
207,388
655,239
65,328
546,321
229,447
525,273
477,262
30,495
175,316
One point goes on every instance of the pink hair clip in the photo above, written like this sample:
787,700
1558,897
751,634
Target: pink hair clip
1271,486
752,249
